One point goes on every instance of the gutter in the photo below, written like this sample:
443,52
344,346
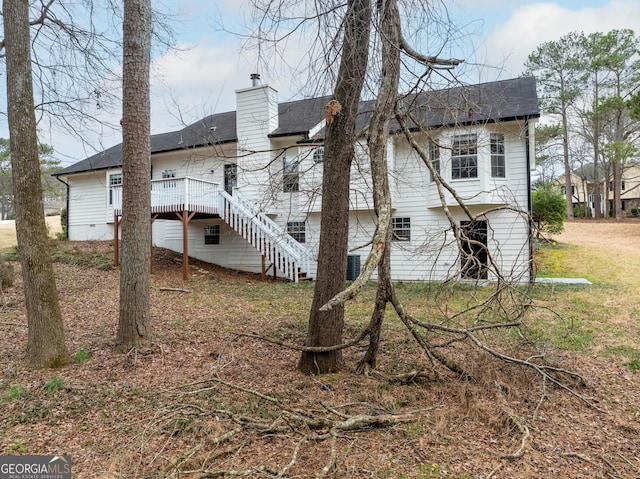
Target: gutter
532,275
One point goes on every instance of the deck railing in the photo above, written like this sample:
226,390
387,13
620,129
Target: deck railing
176,194
190,194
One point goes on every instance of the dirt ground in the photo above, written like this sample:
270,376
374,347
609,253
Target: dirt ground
203,400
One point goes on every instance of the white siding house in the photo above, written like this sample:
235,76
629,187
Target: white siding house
248,183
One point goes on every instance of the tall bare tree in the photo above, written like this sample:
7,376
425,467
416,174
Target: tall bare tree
388,28
134,327
45,345
325,327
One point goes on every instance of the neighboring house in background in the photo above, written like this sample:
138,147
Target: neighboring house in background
242,189
582,183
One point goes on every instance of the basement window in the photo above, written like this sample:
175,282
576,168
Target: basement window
212,234
401,229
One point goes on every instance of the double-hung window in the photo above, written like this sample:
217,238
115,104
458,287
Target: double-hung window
498,168
434,157
230,177
464,157
212,234
297,230
115,179
290,175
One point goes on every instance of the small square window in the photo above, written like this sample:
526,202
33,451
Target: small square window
212,234
297,230
401,229
318,155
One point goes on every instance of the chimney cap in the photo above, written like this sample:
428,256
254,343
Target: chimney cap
255,79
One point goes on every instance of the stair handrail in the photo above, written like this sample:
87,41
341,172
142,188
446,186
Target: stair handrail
298,253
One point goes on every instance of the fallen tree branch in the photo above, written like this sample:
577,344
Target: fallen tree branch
310,349
4,323
177,290
522,428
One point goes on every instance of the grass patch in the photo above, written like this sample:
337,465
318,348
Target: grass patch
552,260
633,365
82,356
14,393
627,352
54,384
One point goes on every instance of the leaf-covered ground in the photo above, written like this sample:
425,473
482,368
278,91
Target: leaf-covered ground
203,399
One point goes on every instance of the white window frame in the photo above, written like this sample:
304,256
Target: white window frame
434,157
212,231
498,156
290,175
297,230
111,183
464,156
401,228
318,155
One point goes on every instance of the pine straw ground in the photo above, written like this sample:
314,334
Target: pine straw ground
203,399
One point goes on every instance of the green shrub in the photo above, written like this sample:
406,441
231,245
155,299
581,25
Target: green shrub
549,209
63,235
581,211
635,212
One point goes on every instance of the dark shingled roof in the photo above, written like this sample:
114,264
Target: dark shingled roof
487,102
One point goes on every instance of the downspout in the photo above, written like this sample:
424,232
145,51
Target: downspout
66,220
532,275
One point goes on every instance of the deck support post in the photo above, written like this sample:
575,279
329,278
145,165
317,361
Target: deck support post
185,217
264,271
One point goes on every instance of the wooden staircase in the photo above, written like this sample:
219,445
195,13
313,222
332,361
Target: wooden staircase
271,240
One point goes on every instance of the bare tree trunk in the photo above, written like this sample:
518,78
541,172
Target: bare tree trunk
134,329
325,327
45,345
389,28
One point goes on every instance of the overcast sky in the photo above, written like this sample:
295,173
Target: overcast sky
201,78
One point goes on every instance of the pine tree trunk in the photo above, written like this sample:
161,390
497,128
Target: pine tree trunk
325,327
134,329
45,345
